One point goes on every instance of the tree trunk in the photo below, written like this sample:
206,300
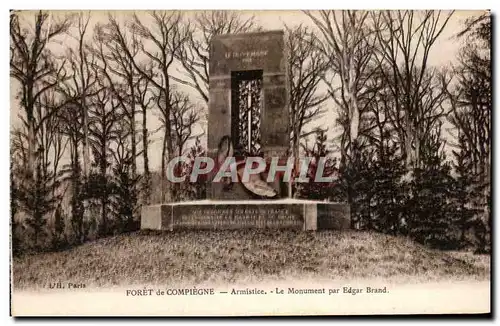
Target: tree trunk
416,152
77,215
165,184
31,151
104,194
295,154
134,146
132,128
104,212
354,117
86,150
463,223
354,114
168,134
147,175
408,154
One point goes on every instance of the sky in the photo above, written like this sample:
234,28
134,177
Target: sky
444,53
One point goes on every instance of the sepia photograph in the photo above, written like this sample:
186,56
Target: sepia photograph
182,163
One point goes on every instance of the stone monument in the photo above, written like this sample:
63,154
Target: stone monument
248,100
248,116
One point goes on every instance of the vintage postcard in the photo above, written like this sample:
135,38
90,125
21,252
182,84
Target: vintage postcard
250,163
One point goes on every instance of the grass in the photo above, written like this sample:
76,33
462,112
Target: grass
190,257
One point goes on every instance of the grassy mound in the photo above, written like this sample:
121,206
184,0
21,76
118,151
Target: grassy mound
236,256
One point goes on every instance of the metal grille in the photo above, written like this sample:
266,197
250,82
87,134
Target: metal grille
249,109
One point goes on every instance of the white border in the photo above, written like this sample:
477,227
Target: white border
199,4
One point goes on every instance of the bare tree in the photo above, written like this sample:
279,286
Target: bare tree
194,54
32,64
348,44
51,142
471,98
38,71
471,117
145,99
184,116
38,196
102,131
82,84
124,195
183,119
70,119
19,150
404,41
307,69
161,40
121,56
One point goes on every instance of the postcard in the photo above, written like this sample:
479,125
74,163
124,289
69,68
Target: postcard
250,163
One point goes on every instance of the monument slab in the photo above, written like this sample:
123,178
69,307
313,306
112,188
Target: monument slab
248,98
282,214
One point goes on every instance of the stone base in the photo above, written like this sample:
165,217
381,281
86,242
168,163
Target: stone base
261,214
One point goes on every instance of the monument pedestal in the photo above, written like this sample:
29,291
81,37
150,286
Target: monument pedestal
247,116
291,214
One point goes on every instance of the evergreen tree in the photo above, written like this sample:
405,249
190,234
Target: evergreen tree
389,193
77,197
431,214
37,199
193,190
14,207
313,189
124,199
59,240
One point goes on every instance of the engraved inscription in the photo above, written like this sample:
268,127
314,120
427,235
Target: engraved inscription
237,217
246,54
